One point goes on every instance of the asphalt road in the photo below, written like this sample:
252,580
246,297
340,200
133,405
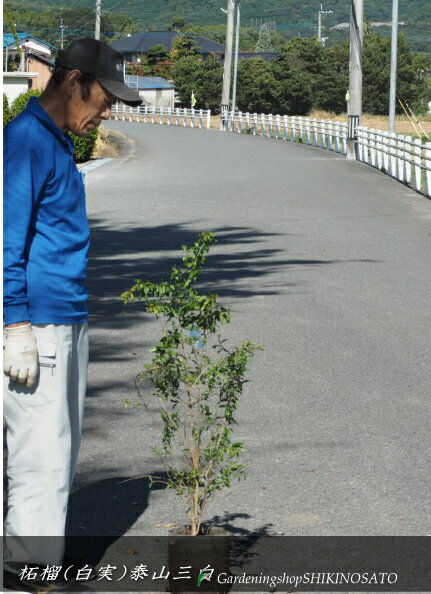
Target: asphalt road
326,262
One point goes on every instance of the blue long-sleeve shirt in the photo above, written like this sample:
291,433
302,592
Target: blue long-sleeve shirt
46,233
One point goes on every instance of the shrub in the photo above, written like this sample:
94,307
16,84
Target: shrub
6,111
198,380
84,146
21,101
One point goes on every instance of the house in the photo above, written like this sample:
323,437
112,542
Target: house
27,42
42,66
154,90
34,64
134,46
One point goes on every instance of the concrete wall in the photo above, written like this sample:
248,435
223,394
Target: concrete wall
158,97
15,83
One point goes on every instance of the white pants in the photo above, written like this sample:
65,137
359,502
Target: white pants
44,426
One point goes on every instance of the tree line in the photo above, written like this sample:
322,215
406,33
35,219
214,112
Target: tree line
306,76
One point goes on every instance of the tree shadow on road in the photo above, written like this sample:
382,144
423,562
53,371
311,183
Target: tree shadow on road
236,266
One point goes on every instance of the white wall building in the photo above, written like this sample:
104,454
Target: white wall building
154,90
15,83
26,42
33,63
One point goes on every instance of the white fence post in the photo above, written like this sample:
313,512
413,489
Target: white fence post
359,143
330,135
373,155
323,140
344,139
393,154
379,150
427,160
270,134
385,150
285,128
262,124
255,124
277,126
293,128
337,136
417,149
307,131
301,128
408,156
315,132
400,159
360,133
367,151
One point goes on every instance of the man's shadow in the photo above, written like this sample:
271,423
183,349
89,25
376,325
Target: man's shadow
102,512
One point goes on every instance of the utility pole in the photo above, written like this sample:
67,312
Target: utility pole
97,26
355,78
228,56
394,51
319,23
62,28
235,68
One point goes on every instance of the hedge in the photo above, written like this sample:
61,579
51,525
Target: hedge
6,111
84,146
21,101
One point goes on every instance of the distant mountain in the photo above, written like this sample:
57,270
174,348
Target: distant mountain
290,17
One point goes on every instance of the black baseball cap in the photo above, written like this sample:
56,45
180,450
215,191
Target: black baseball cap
103,62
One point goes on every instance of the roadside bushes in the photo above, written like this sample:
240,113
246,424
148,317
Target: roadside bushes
84,146
21,101
6,111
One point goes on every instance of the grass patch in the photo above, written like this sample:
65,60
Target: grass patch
108,145
380,122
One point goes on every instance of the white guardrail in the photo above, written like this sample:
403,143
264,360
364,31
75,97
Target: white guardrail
405,159
401,157
194,118
324,134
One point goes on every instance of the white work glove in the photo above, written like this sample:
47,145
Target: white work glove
20,357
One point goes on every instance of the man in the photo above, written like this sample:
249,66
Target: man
46,240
